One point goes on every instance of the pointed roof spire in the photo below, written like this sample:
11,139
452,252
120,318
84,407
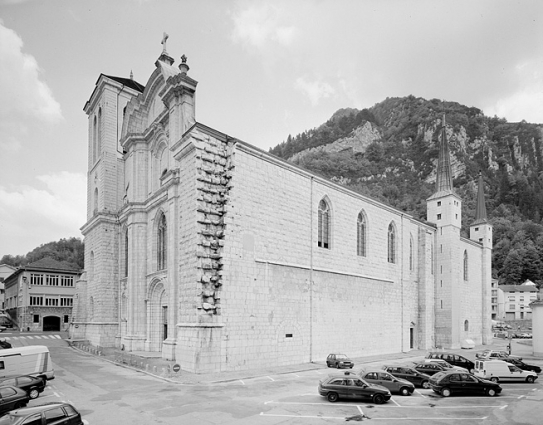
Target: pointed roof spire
131,75
480,211
444,171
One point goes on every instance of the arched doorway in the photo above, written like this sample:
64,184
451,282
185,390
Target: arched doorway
158,316
51,323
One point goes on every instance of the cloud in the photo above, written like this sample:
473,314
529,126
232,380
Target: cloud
526,103
31,216
25,100
315,90
258,24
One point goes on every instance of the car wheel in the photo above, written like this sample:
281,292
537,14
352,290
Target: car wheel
445,392
378,399
337,365
34,393
332,397
425,384
494,379
491,392
405,391
530,379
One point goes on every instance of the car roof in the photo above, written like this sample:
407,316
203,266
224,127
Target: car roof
36,409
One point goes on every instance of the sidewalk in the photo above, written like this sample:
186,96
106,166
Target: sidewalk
153,364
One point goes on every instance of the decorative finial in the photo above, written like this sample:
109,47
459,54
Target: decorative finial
163,42
183,67
131,75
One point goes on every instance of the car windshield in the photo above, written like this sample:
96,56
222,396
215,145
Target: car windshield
11,420
341,356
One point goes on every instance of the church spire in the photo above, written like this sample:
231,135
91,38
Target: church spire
444,172
480,211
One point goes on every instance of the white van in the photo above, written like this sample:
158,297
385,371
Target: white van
500,371
32,360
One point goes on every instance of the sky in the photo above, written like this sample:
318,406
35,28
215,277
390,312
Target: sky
265,69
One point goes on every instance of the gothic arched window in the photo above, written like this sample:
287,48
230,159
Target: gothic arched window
95,201
411,253
391,243
94,139
465,265
99,136
126,253
161,243
324,225
361,235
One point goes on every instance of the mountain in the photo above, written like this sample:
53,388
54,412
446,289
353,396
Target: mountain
389,152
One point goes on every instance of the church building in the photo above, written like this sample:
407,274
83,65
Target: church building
222,257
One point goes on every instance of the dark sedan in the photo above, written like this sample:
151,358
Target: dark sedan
12,398
524,366
409,373
57,413
32,385
449,383
352,387
429,368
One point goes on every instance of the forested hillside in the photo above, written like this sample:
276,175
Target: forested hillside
389,152
70,251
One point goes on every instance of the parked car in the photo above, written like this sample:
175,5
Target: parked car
429,368
446,365
452,359
448,383
410,374
31,384
521,365
495,354
385,379
57,413
339,361
526,335
350,387
4,344
12,398
501,371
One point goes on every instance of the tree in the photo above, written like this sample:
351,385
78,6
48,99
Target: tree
511,272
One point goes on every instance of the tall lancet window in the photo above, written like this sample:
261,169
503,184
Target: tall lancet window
324,225
361,235
465,265
126,253
161,243
391,243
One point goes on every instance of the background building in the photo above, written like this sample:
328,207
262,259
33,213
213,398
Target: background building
221,256
5,271
39,296
514,301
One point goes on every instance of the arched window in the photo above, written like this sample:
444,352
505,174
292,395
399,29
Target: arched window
94,139
465,265
91,266
161,243
99,137
324,225
126,253
95,203
391,243
466,325
410,253
361,235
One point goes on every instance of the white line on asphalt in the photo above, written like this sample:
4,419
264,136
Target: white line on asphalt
503,407
451,407
270,378
394,401
242,383
309,404
45,396
360,409
316,371
297,376
421,394
54,392
29,337
304,416
57,336
521,396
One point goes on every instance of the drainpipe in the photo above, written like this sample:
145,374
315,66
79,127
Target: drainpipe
311,272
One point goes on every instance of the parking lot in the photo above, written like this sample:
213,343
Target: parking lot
423,406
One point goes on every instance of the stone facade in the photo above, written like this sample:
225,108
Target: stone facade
207,249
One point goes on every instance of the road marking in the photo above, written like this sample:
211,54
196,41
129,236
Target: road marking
521,396
269,377
394,401
242,383
297,376
419,393
503,407
360,410
342,418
